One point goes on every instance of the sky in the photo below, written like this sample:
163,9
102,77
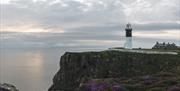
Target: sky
88,23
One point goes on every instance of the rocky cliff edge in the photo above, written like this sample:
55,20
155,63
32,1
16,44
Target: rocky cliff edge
117,71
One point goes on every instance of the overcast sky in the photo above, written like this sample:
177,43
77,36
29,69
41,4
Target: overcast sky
88,23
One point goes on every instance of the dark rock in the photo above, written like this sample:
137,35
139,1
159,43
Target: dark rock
7,87
124,68
174,88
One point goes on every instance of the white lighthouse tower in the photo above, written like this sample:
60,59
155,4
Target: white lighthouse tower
128,43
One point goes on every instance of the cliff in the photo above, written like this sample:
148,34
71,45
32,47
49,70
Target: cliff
117,70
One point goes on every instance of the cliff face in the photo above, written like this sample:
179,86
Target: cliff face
113,67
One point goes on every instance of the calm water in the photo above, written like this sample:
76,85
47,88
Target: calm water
30,69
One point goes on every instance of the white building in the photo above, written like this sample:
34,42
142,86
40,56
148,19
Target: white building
128,43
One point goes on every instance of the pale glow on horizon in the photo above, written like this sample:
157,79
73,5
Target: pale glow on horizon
98,42
165,34
39,30
31,30
4,1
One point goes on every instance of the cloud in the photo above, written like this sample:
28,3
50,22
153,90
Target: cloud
71,22
86,39
152,10
79,13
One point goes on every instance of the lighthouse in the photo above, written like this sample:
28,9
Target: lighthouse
128,43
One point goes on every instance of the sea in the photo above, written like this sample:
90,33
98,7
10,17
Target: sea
31,69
